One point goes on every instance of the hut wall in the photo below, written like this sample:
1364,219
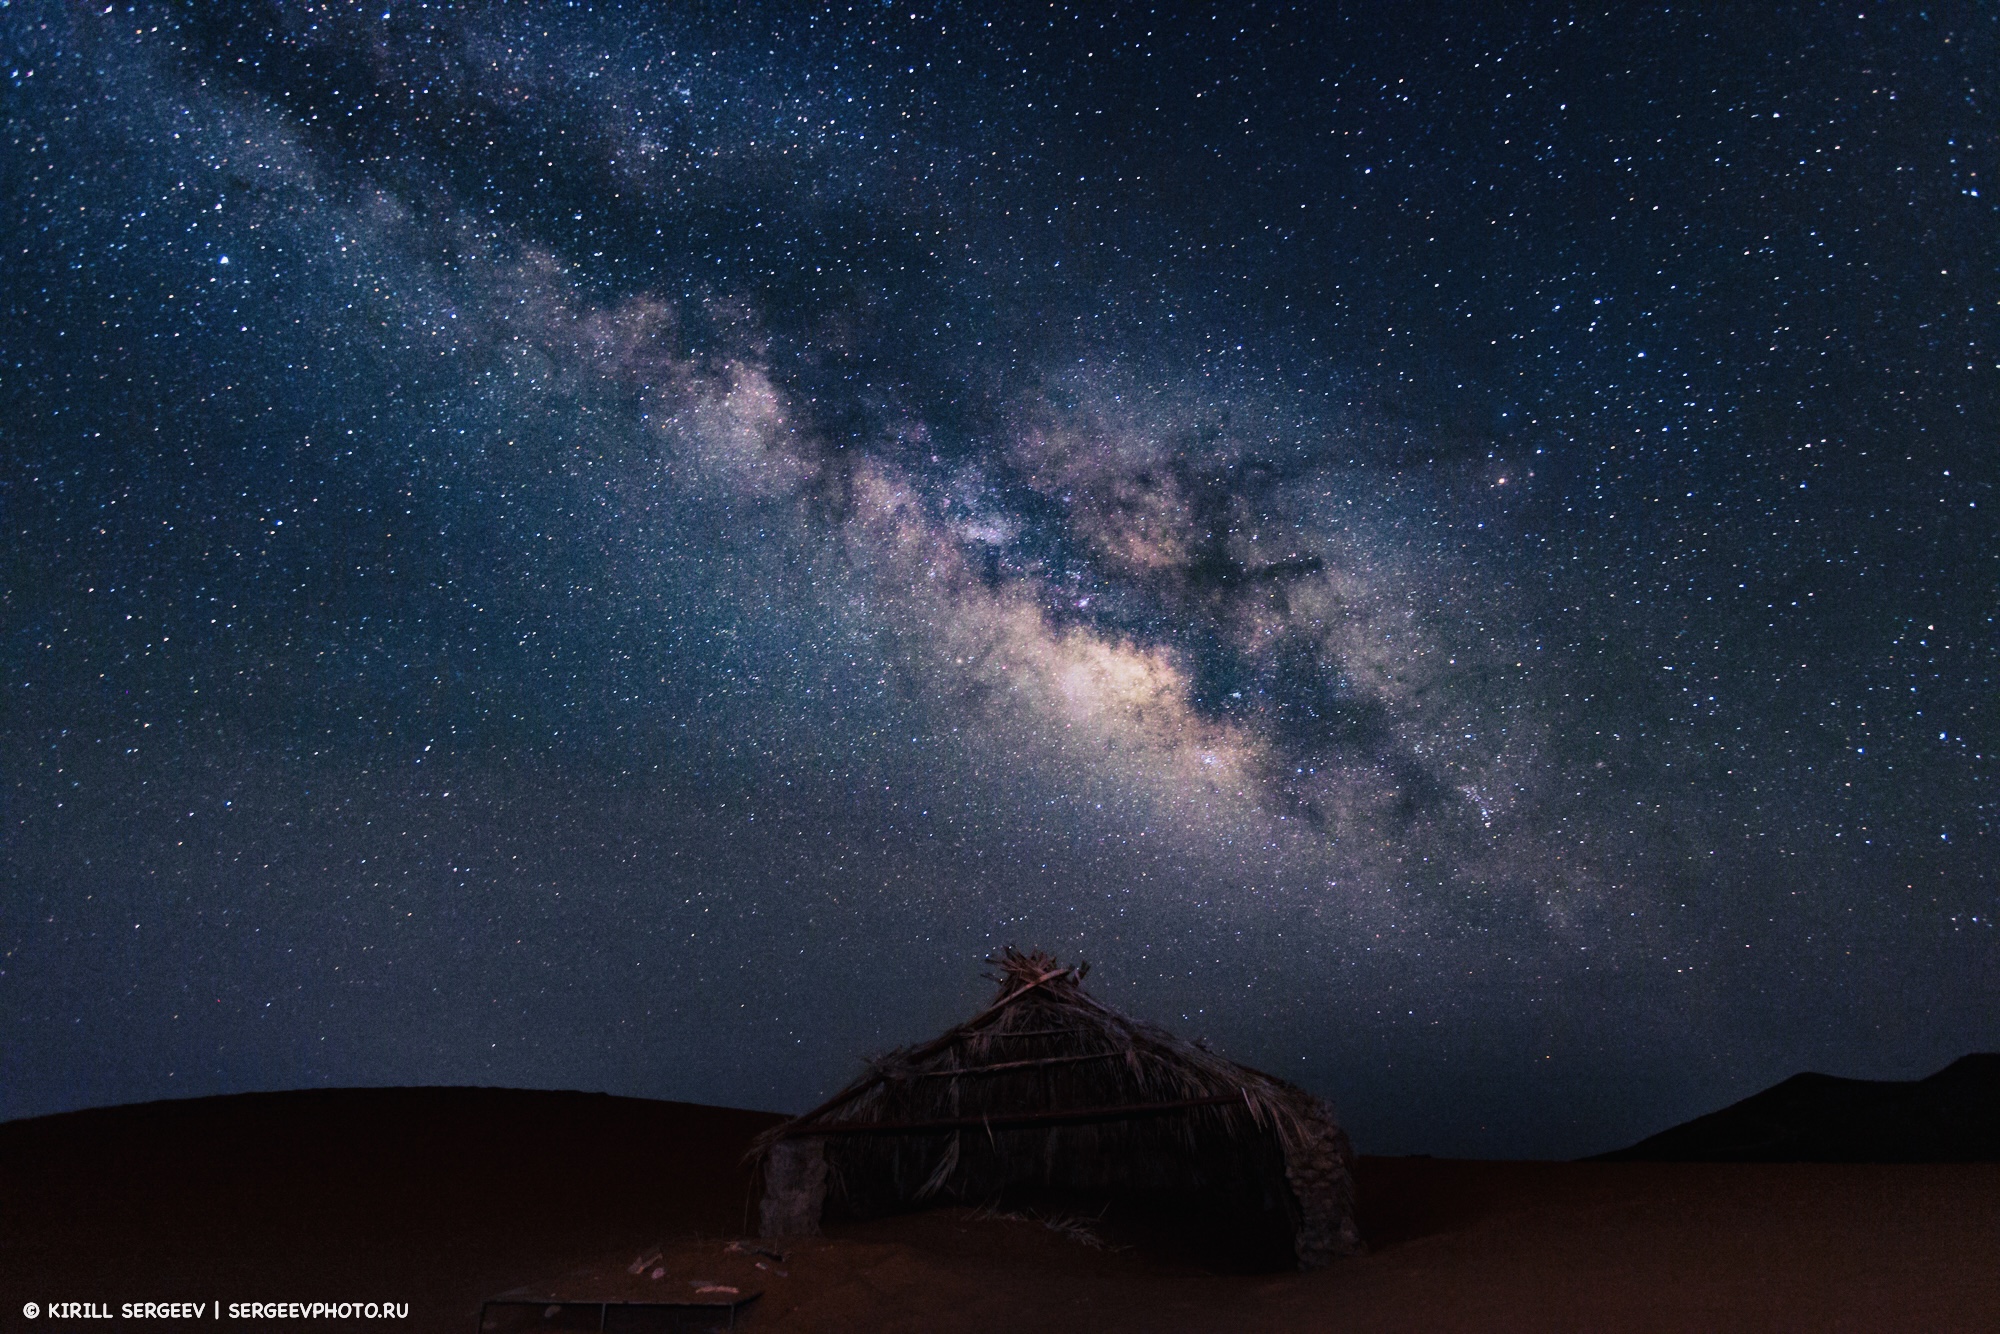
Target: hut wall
794,1187
1318,1168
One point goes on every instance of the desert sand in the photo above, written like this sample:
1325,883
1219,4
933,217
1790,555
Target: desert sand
442,1198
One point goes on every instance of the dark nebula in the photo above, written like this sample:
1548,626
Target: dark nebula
628,549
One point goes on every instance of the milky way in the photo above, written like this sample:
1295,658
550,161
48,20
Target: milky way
597,549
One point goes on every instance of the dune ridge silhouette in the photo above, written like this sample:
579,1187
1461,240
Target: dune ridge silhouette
1952,1116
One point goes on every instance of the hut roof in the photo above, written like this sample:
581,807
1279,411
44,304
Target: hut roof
1048,1076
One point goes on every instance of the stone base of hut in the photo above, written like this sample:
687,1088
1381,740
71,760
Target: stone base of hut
1320,1172
794,1188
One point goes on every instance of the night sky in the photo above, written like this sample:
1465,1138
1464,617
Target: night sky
1452,554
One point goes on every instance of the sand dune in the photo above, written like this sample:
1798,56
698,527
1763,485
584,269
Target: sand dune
443,1197
1951,1117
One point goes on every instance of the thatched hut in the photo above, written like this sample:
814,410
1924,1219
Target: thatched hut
1049,1099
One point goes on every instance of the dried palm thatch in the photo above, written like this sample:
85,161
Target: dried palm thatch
1048,1093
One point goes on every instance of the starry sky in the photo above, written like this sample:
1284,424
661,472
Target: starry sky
1450,552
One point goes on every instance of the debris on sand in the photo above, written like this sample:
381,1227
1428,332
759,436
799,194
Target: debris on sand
746,1248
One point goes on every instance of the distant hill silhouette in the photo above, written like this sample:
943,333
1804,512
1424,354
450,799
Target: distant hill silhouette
1951,1117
